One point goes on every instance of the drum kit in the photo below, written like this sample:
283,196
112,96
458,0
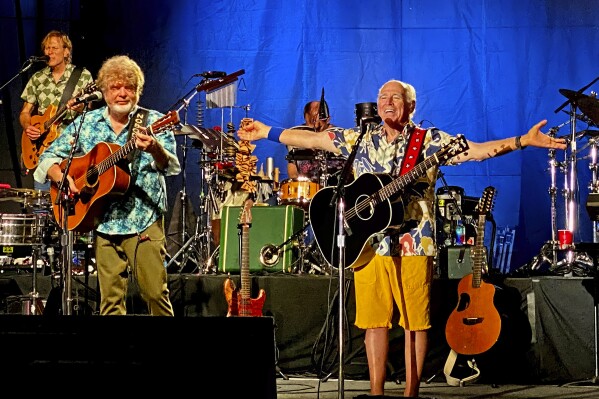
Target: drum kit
563,254
219,188
23,236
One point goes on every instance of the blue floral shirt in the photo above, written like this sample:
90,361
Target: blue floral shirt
146,199
376,155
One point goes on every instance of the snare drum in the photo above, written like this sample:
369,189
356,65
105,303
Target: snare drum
21,229
297,191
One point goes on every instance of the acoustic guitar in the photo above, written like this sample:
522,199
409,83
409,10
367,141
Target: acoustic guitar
99,175
373,203
48,124
475,324
239,301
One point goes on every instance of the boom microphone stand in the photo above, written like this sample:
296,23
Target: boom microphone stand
66,238
343,229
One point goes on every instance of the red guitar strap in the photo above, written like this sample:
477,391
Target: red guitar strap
413,150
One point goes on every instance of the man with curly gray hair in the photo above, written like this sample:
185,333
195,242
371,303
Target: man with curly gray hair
129,235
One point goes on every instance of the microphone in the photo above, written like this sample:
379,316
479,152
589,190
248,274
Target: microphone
43,58
95,96
323,110
212,74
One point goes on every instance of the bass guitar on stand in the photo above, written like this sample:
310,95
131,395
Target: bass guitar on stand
240,301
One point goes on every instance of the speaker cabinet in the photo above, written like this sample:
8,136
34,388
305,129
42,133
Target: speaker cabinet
456,261
270,225
226,357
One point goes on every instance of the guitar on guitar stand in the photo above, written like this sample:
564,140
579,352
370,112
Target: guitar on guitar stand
240,302
474,325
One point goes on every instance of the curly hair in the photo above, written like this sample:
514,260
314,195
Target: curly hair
121,68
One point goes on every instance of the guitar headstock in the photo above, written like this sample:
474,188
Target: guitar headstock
486,202
167,121
89,89
246,212
456,146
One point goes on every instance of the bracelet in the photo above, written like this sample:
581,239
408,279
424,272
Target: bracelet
274,133
518,143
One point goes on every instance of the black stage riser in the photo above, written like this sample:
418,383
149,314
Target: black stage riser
140,353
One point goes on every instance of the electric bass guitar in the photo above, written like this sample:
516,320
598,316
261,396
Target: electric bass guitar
48,124
240,302
373,203
475,324
99,175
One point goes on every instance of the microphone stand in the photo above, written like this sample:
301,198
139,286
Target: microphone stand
66,238
338,198
26,66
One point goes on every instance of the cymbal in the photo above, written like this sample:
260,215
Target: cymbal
22,194
572,95
300,154
590,107
588,133
210,138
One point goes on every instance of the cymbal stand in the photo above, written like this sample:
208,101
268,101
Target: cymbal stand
208,207
549,250
323,174
594,185
36,307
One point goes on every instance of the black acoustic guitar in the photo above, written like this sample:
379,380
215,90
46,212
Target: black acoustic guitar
373,203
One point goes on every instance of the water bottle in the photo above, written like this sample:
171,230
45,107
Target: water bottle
460,233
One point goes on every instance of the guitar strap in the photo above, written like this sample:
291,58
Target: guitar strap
413,150
138,121
70,87
450,366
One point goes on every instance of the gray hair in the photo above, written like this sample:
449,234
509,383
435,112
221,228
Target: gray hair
410,92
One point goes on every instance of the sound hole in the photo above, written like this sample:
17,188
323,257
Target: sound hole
92,176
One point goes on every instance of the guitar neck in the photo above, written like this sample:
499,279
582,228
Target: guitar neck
245,263
401,182
62,111
479,252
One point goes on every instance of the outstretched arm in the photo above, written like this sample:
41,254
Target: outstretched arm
533,138
256,130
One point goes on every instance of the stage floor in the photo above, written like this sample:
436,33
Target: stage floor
309,388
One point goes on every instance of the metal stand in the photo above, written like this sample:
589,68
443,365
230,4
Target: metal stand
35,306
198,248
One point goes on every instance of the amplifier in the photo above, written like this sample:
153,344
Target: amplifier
456,261
271,225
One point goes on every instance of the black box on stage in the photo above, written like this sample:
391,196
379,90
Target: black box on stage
456,261
270,225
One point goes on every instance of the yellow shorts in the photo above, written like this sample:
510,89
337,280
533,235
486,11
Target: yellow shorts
406,280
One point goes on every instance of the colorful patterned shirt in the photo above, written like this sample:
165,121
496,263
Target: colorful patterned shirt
376,155
42,91
146,199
